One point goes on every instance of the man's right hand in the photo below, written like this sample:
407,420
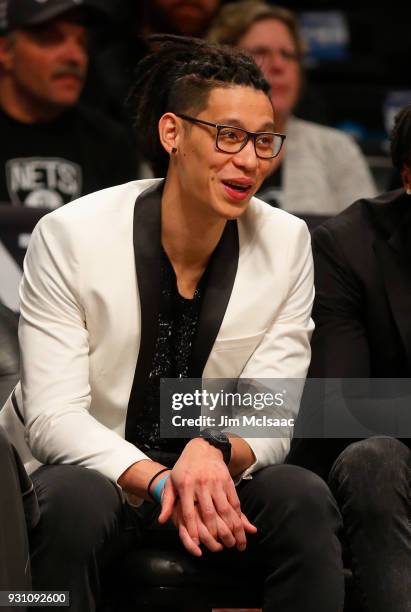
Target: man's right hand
208,505
134,481
224,539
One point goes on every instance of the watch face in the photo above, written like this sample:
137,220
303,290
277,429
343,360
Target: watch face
219,436
214,434
219,439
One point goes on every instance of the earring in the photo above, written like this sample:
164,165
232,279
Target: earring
174,150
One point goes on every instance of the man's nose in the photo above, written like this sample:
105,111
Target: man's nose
74,52
247,157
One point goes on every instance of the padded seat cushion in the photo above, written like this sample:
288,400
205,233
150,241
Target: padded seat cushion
9,352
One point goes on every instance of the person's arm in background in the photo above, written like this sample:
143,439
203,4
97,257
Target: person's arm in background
339,347
339,343
284,353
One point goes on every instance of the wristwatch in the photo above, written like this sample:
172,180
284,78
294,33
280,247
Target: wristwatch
217,438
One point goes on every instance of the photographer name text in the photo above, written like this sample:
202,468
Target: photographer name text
225,421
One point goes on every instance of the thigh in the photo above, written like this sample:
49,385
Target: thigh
293,509
281,492
82,513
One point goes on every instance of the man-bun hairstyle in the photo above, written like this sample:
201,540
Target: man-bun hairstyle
177,76
401,139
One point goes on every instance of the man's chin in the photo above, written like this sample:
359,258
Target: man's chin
64,100
235,210
65,91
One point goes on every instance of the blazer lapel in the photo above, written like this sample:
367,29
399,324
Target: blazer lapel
147,254
393,251
221,273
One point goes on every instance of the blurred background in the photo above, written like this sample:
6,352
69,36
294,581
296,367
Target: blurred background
357,65
356,62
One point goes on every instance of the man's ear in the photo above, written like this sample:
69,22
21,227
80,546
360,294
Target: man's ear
6,52
169,128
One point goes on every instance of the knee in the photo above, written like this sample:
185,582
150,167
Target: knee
78,506
373,457
294,511
310,494
302,495
368,474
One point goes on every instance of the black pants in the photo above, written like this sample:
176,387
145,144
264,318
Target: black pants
371,481
85,526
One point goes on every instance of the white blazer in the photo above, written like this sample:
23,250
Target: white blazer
87,317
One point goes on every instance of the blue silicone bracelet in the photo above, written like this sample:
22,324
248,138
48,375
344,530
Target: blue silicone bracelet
158,489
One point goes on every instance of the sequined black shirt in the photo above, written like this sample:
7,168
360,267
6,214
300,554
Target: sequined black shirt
177,324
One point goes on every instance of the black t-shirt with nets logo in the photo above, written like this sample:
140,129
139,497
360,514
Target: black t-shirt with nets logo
50,164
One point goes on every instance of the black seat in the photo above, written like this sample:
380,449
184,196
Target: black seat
158,579
9,352
14,483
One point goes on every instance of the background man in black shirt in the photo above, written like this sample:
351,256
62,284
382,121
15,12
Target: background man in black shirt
52,150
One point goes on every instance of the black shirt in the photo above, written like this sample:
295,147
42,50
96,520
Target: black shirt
46,165
50,164
177,325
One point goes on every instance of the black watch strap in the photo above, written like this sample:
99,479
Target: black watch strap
219,440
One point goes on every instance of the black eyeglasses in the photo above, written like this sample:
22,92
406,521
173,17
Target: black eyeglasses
230,139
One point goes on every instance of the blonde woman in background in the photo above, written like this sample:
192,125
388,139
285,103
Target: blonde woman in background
321,170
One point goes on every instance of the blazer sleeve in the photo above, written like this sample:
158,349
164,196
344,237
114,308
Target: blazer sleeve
339,350
54,346
339,344
284,353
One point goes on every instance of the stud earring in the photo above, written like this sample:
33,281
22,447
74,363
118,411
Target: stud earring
174,150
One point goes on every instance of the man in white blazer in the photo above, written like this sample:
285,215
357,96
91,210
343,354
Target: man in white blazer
187,277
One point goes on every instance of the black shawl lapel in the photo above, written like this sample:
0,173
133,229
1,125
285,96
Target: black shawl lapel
147,254
393,251
221,273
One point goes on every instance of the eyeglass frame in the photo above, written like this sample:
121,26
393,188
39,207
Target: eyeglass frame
260,55
252,135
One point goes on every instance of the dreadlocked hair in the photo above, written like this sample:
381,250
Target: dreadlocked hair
177,76
401,139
